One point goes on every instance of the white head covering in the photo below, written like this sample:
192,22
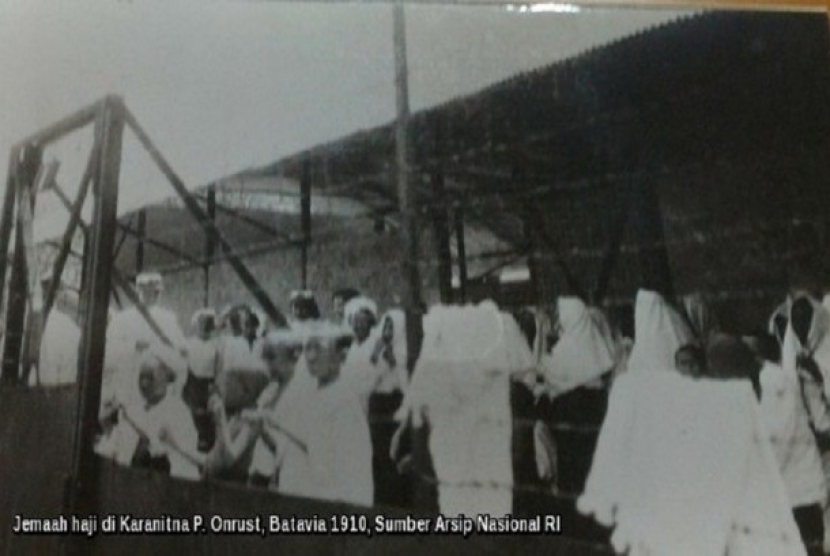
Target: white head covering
700,317
149,279
585,350
818,340
357,304
658,332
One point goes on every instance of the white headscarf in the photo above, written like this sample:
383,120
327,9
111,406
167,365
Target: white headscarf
658,332
818,342
585,350
357,304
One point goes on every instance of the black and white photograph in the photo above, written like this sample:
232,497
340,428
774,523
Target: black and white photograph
414,277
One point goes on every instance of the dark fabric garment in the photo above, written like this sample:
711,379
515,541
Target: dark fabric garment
196,391
391,488
195,394
810,521
142,459
582,407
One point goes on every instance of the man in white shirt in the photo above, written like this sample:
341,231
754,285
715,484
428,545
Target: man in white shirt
156,429
331,427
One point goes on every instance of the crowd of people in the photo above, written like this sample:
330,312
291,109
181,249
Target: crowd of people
525,411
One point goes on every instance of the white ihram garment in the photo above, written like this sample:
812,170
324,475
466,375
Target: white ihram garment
658,332
685,467
584,352
462,384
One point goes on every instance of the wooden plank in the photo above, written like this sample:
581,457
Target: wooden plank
18,282
305,220
460,252
63,127
441,234
140,234
7,219
95,302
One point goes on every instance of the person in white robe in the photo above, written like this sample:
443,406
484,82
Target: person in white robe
684,466
203,359
280,352
585,350
361,316
237,348
788,425
129,333
59,343
156,426
331,450
461,388
806,354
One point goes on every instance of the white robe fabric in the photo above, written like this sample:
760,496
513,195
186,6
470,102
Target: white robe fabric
818,344
173,416
462,384
584,352
379,376
59,350
331,423
128,328
685,467
658,332
788,426
203,357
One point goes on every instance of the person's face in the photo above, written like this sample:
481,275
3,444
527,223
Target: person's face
281,360
801,316
362,325
687,364
148,294
323,358
301,310
152,383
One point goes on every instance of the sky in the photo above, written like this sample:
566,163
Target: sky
221,86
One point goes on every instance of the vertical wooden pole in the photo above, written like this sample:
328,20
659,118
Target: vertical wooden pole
210,243
140,235
406,196
96,296
18,282
654,257
305,219
441,231
461,251
423,495
7,220
534,265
